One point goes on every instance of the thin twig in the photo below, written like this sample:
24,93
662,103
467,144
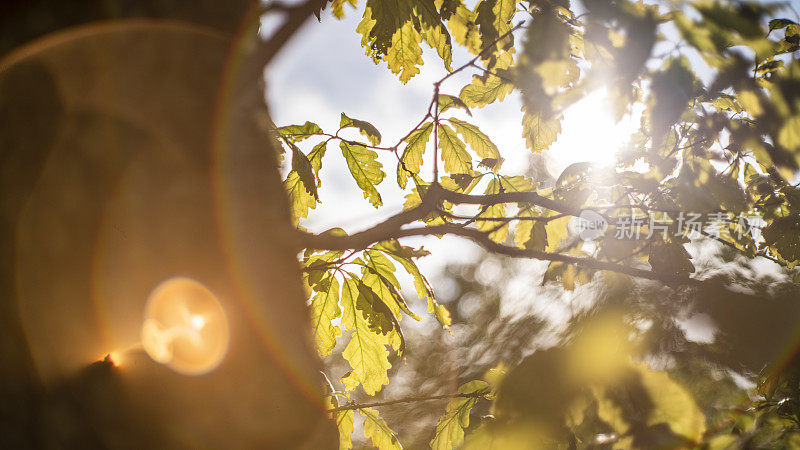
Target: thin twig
355,406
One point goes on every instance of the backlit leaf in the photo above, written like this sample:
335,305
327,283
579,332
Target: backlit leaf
376,430
777,24
671,259
393,31
448,101
315,158
449,432
494,19
482,92
296,133
305,171
789,136
300,199
405,53
781,236
530,234
344,422
366,170
324,310
477,140
366,352
411,160
498,230
366,128
403,255
453,151
539,133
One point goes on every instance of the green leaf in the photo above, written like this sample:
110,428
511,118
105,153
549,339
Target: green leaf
539,134
494,19
344,422
300,199
404,255
414,198
727,103
405,53
377,312
769,66
477,140
377,300
482,92
317,268
449,101
727,192
296,133
411,160
461,23
461,182
305,171
366,352
376,430
389,295
324,310
671,258
672,88
337,8
789,136
365,168
781,236
498,231
567,275
393,31
433,31
379,275
454,153
729,18
315,158
556,74
517,183
382,265
530,234
701,37
557,233
777,24
366,128
449,432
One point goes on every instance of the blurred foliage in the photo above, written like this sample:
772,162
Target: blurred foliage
719,141
621,371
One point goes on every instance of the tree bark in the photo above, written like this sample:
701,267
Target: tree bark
131,152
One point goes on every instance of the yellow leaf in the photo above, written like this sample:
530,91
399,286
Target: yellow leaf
405,53
789,136
324,310
366,352
454,153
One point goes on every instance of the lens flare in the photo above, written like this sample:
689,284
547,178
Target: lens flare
185,327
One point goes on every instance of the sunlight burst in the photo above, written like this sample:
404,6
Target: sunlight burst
591,133
185,327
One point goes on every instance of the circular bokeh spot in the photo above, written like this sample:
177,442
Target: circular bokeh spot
185,327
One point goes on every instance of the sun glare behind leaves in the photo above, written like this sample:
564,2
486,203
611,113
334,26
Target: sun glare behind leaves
591,133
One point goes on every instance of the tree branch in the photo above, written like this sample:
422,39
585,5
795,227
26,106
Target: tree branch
380,233
509,197
354,406
431,201
392,228
295,17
